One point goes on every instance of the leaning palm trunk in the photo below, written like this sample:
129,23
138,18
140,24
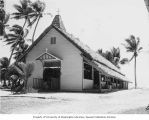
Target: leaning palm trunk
35,29
16,42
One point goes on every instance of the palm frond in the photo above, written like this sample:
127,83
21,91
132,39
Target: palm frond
32,22
131,58
124,61
18,8
25,33
140,49
7,16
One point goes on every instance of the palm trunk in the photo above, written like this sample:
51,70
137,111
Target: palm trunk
16,44
4,84
35,29
135,73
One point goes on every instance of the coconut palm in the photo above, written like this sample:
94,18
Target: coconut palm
108,56
4,64
100,51
116,55
133,45
24,11
23,71
16,38
113,56
38,8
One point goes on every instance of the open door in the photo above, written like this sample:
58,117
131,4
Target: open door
51,75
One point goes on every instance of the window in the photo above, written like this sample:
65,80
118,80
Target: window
53,40
87,71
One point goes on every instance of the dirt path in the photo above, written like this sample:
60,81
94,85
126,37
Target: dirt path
79,103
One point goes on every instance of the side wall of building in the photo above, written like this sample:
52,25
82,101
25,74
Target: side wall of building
71,64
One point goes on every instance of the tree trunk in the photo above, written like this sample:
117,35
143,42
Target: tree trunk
135,73
35,29
5,76
16,44
4,84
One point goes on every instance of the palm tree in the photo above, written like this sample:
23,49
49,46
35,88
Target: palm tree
133,45
116,55
100,51
24,11
16,38
113,56
108,56
38,8
4,62
23,71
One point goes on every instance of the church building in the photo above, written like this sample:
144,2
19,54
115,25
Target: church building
64,63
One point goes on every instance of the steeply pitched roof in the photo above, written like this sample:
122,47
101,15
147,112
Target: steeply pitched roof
57,22
104,64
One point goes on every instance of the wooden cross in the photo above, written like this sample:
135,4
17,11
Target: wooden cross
46,50
58,11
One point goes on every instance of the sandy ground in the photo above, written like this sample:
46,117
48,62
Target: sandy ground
126,102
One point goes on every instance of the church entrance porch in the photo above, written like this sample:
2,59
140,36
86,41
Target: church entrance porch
51,72
51,75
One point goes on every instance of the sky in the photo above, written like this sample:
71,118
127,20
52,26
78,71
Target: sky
100,24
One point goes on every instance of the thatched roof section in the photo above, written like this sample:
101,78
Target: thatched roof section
103,63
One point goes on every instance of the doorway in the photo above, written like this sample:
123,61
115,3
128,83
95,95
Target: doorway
96,78
51,75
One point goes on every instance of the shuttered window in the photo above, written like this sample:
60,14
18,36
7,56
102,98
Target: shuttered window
53,40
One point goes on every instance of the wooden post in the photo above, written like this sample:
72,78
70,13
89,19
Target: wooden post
116,83
99,82
92,73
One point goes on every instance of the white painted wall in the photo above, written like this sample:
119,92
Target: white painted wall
71,64
88,84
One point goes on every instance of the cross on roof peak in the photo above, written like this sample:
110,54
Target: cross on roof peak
58,12
46,50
